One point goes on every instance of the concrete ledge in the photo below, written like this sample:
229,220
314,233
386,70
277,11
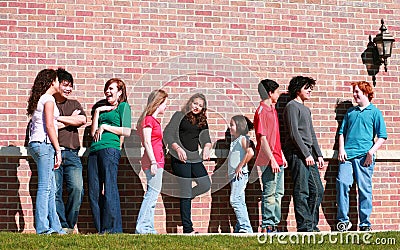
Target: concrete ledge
13,151
381,155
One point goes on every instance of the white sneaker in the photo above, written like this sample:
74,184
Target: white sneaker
344,226
69,230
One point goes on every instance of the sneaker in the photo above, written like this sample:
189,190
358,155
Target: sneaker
62,232
243,231
365,228
344,226
316,230
271,229
68,230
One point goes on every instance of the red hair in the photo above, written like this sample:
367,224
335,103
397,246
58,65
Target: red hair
365,87
120,85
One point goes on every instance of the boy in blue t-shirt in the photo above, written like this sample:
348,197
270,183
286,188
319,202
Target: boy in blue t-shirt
357,147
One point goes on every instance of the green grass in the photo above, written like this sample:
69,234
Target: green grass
231,242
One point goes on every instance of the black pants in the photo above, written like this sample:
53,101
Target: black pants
307,193
186,173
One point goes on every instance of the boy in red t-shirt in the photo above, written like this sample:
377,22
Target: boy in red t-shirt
269,155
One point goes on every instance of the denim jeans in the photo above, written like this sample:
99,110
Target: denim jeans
307,193
103,190
344,181
46,218
273,191
238,203
145,220
70,171
186,173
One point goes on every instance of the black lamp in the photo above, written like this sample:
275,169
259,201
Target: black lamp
384,43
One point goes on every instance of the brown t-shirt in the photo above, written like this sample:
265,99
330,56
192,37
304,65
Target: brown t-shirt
69,137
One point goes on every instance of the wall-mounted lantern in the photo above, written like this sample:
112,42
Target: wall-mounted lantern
383,43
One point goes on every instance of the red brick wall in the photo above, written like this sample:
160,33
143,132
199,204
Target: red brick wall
220,48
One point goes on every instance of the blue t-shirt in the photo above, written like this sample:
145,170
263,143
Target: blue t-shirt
359,129
236,155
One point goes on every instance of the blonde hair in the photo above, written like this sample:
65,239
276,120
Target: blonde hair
155,99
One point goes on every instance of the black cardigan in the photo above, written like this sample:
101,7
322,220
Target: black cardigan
188,136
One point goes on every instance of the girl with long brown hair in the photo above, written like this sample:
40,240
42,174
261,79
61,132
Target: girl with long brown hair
185,134
149,129
45,149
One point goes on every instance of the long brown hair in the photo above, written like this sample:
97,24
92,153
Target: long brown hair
155,99
120,85
42,83
200,119
243,124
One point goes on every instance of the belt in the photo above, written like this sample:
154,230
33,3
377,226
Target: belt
69,149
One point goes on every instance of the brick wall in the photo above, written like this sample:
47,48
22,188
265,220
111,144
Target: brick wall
220,48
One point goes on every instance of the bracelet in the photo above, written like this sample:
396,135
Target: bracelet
177,148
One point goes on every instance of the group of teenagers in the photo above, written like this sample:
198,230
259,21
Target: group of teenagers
54,145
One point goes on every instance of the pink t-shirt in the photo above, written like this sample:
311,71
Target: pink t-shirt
156,142
266,124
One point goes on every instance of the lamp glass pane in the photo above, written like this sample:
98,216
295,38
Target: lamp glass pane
387,48
379,46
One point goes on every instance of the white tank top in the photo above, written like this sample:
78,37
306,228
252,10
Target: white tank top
37,128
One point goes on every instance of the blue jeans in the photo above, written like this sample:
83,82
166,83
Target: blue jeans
238,203
186,173
307,193
273,191
344,181
103,190
145,220
46,218
70,171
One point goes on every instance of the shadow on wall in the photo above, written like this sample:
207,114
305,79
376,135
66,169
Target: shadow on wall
129,183
329,200
283,99
222,216
371,60
170,193
11,197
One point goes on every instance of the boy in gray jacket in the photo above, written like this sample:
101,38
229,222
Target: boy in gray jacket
303,155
